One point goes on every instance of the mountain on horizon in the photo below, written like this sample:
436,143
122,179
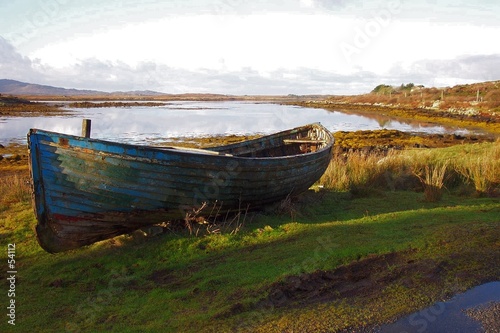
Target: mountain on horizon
13,87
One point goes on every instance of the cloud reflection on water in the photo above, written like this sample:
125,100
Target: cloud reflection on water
190,119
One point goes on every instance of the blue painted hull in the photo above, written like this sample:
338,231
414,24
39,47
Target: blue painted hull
86,190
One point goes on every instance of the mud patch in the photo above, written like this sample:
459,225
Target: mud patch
363,278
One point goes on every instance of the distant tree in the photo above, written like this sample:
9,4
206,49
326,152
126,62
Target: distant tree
383,89
408,86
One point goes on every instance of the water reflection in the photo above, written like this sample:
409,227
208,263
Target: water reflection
180,119
448,316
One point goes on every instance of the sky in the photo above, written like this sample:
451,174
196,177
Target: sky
254,47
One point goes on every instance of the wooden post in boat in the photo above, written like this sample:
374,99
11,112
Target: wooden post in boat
86,126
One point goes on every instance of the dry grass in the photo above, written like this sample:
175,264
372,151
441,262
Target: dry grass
429,170
14,188
482,171
432,178
200,223
351,170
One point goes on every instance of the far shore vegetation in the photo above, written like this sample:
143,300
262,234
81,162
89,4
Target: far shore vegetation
472,106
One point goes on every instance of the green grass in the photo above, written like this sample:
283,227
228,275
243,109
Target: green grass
216,283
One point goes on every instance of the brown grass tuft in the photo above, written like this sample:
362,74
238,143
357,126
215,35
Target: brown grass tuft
14,188
432,178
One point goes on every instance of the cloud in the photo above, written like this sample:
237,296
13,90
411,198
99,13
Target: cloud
463,69
106,75
109,76
12,64
476,67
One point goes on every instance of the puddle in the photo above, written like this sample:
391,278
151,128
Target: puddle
448,316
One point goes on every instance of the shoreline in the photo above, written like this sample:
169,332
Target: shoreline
482,121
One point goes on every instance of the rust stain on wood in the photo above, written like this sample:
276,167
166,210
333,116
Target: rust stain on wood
64,142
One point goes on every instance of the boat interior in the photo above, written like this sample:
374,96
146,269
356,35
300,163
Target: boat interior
307,140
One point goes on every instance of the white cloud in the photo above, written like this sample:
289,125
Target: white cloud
229,42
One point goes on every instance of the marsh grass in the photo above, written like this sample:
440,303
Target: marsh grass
427,170
482,171
352,170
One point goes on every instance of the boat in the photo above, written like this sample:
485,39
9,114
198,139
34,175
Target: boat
86,190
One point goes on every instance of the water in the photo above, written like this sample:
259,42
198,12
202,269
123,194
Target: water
448,316
192,119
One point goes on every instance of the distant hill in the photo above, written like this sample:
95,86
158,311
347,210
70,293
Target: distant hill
12,87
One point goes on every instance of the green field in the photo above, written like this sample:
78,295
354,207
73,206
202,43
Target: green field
343,255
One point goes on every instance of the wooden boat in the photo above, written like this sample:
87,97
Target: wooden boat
86,190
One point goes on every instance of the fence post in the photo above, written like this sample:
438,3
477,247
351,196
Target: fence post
86,126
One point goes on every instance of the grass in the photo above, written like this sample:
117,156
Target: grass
432,179
457,168
224,282
13,188
481,170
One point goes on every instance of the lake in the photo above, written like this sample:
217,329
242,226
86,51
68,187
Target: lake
193,119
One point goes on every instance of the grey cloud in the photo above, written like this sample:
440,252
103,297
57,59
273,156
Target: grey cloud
466,68
481,67
95,74
12,64
282,81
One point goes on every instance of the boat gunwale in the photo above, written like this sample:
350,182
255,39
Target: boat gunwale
175,151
